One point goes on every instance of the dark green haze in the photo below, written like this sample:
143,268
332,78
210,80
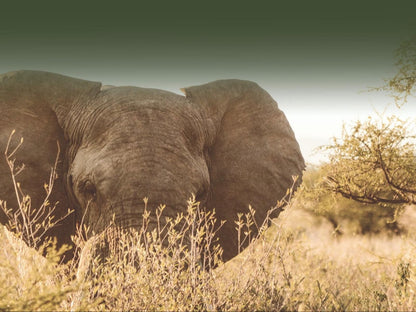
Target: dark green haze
166,41
308,54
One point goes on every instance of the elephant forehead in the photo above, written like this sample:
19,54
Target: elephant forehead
132,141
151,121
132,98
132,106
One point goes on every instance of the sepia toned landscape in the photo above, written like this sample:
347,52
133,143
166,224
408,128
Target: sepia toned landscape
208,156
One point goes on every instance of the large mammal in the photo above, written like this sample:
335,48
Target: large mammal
225,141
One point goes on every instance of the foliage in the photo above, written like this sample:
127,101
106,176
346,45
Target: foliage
174,265
344,214
170,267
30,223
374,162
403,84
284,270
32,282
29,259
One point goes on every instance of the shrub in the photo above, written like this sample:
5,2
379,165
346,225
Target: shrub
345,215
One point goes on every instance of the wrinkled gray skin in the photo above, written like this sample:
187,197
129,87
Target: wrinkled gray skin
225,141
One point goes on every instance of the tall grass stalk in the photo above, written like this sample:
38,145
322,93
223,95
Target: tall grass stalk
175,264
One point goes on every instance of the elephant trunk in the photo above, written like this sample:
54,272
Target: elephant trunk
125,228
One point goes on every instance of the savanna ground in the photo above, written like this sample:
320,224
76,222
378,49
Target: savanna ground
302,262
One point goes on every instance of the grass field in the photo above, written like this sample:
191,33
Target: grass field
298,264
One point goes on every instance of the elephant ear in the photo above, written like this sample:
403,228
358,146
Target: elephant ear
39,107
252,152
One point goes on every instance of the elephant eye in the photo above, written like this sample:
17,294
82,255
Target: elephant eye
89,190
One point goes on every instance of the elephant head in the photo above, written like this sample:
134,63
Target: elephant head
226,142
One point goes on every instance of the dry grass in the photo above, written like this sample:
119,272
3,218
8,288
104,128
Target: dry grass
296,265
289,268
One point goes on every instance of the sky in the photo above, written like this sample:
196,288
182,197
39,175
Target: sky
316,58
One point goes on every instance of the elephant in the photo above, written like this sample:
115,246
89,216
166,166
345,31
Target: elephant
226,142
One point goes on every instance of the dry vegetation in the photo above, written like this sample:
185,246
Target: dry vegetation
314,257
297,264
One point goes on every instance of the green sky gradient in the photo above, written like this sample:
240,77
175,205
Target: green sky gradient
176,39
